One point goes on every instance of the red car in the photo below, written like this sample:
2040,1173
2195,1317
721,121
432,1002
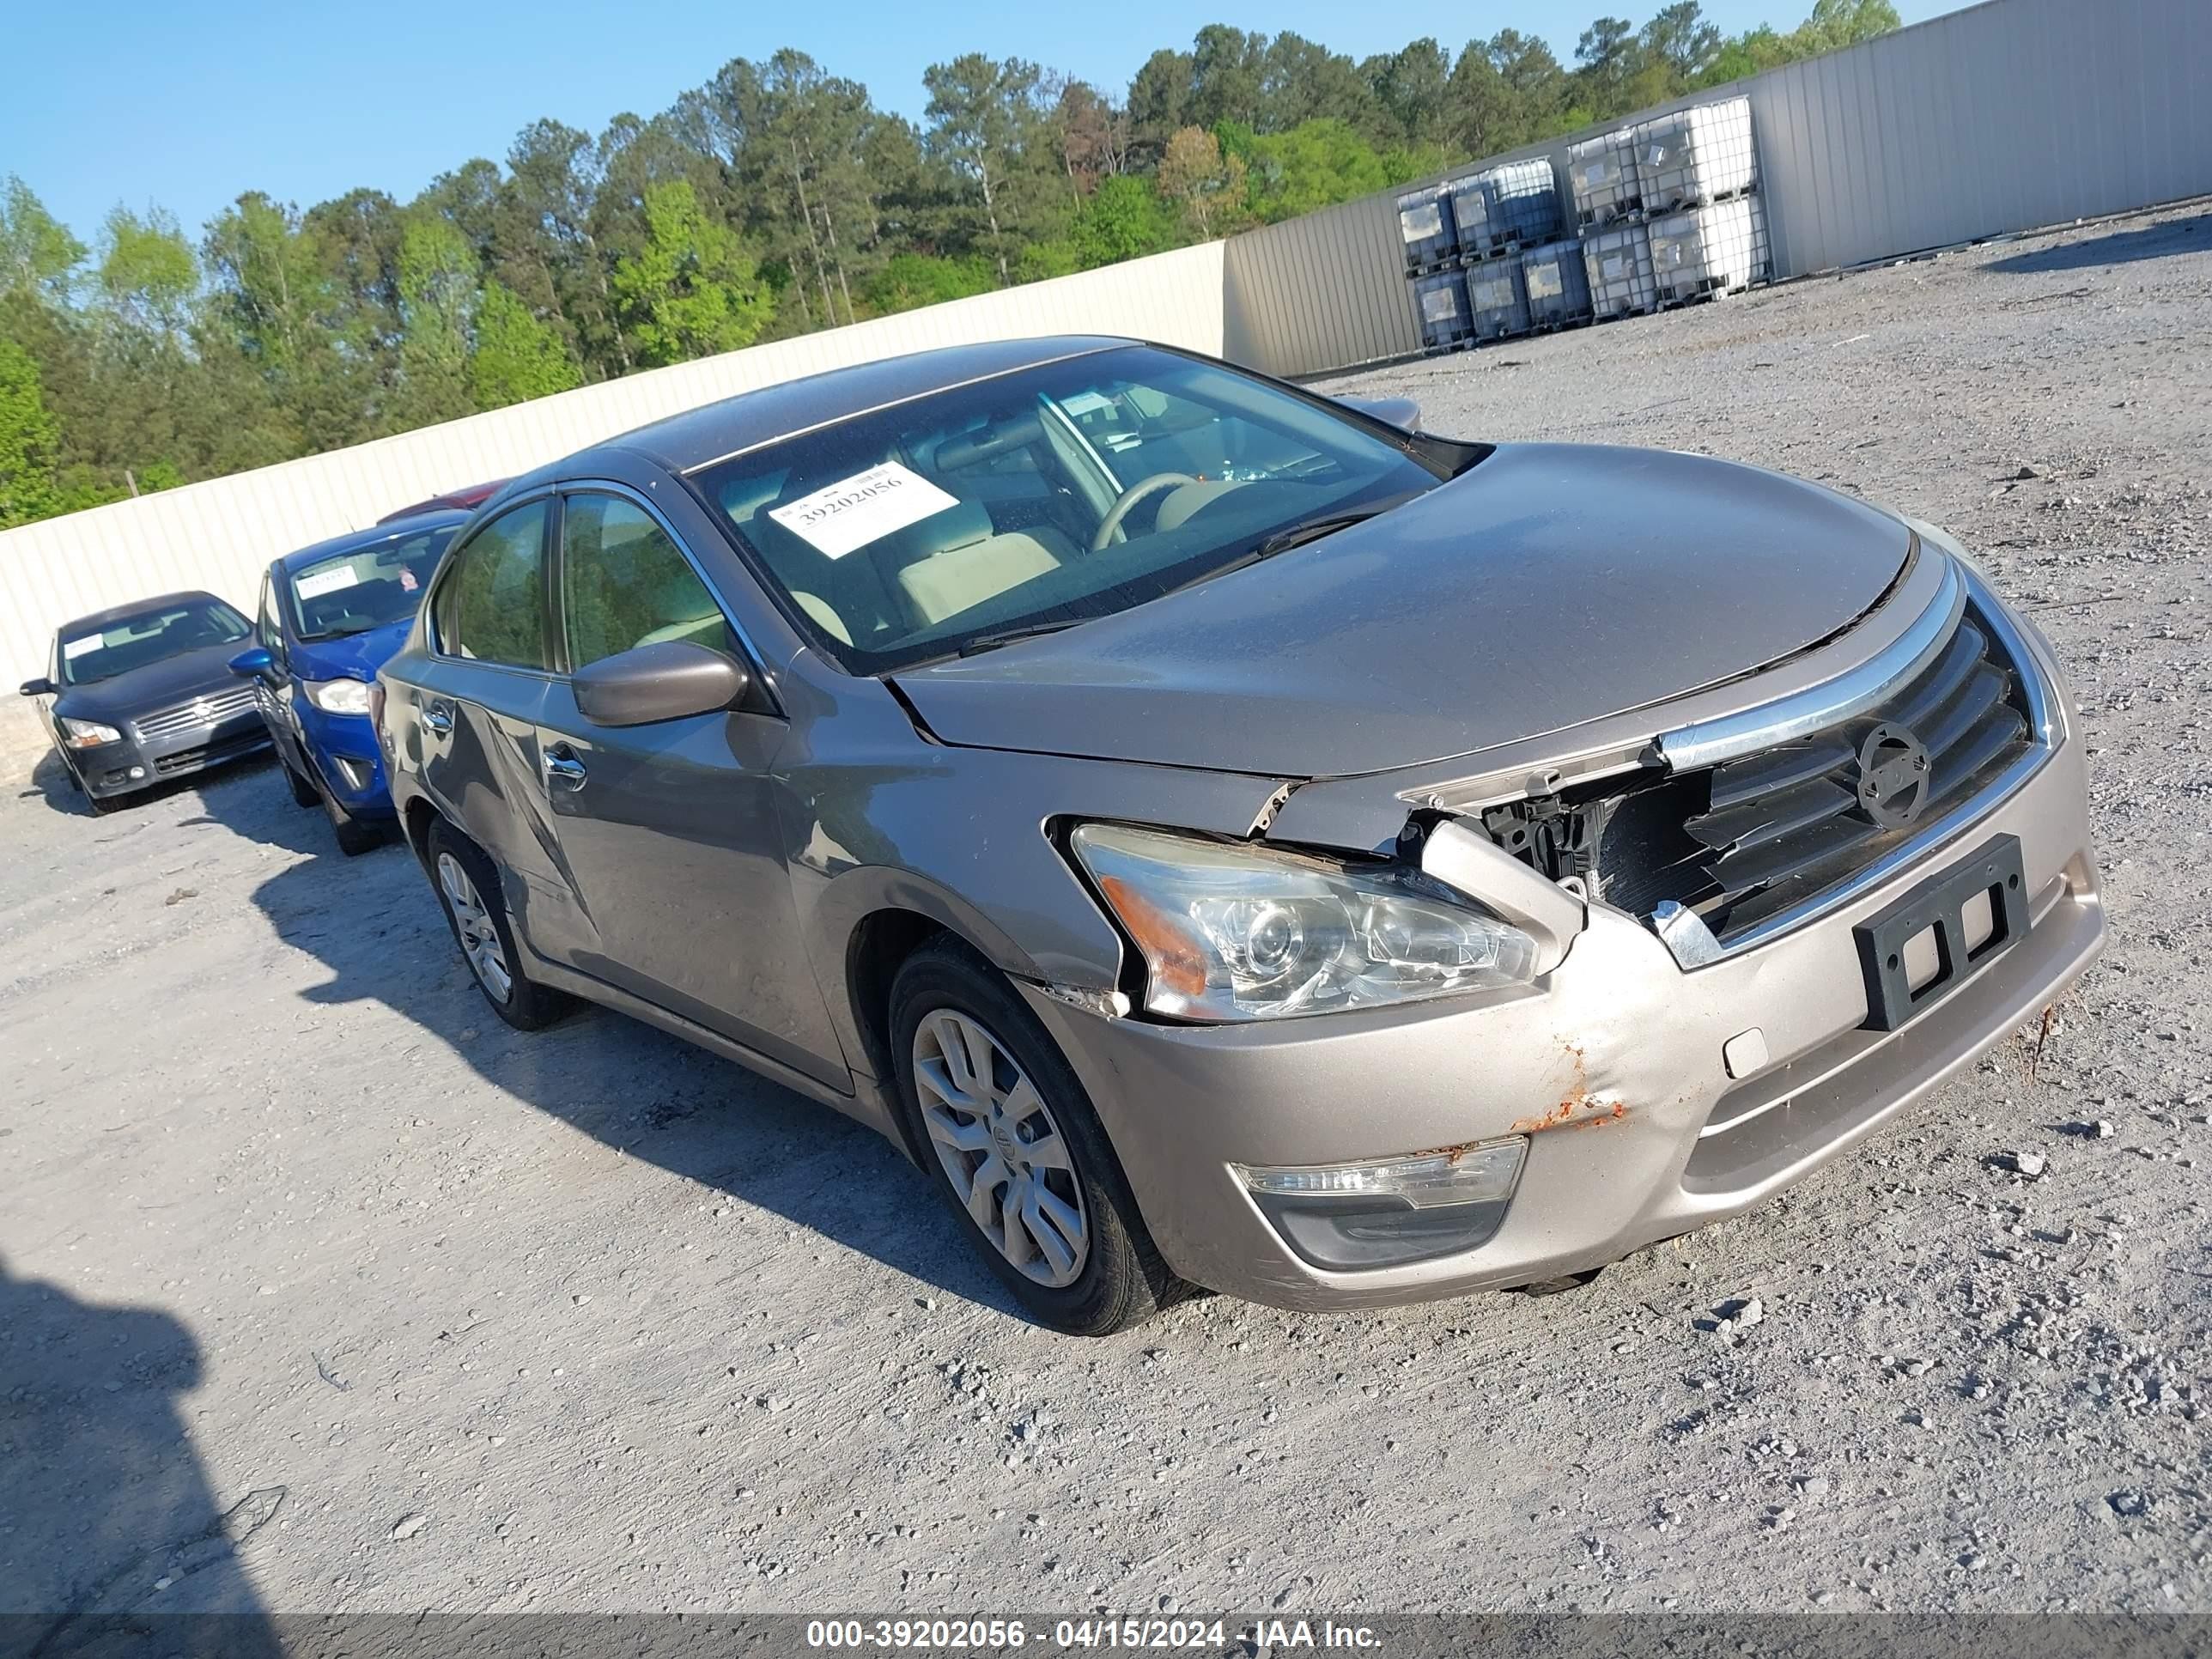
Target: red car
474,495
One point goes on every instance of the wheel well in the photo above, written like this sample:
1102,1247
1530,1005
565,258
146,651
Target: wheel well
882,941
421,815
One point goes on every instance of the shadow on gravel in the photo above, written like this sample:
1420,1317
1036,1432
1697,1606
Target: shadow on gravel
373,922
51,780
110,1517
2114,248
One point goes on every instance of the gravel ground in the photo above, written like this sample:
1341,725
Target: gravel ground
320,1290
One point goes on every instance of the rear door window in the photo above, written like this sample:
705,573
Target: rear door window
490,606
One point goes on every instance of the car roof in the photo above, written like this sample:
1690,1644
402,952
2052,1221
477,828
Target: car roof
116,613
447,517
699,436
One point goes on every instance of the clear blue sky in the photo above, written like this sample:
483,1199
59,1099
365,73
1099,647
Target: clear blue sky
138,102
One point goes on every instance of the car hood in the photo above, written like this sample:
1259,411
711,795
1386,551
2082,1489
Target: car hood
157,685
351,656
1552,585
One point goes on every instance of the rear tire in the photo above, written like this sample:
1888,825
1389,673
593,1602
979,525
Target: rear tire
467,885
1009,1139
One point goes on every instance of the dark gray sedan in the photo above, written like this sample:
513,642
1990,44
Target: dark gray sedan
141,693
1228,837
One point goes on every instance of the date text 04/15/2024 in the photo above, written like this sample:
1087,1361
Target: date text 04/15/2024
1088,1634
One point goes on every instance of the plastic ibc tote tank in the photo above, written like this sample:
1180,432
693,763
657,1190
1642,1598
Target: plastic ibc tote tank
1602,176
1557,285
1714,249
1524,202
1496,300
1440,307
1701,153
1617,263
1470,215
1425,227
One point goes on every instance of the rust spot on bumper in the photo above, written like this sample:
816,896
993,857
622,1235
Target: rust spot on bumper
1579,1111
1578,1108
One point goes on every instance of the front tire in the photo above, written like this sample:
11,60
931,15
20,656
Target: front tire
468,892
1012,1146
304,793
353,836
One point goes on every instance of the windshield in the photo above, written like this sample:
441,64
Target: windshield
1044,497
155,635
366,587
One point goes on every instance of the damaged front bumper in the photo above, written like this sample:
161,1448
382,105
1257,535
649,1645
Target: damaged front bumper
1649,1095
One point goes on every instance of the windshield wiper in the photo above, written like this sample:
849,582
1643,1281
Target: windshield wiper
1323,523
997,637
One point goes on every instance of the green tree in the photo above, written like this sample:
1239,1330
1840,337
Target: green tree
1412,94
1610,56
986,120
517,355
147,274
38,255
1122,219
692,289
1836,24
1203,185
30,438
1315,165
1301,81
1228,73
437,306
908,280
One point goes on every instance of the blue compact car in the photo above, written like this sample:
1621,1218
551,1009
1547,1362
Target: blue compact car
329,616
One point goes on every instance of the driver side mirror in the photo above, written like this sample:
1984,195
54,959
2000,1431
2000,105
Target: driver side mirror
253,660
1401,412
40,687
668,680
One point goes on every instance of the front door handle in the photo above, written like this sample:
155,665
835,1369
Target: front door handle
438,719
562,768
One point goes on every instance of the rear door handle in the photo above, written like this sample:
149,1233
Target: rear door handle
438,718
562,768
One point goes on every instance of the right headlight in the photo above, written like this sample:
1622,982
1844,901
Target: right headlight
337,696
88,734
1237,932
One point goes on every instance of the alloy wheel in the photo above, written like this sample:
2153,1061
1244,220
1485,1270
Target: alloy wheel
479,935
1008,1162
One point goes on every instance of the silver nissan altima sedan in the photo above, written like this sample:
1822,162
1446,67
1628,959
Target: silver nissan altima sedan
1231,838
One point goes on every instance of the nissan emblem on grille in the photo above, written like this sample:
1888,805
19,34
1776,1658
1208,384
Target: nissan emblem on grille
1893,776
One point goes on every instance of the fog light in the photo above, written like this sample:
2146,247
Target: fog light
1386,1214
137,771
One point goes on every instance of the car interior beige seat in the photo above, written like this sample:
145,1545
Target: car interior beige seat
954,561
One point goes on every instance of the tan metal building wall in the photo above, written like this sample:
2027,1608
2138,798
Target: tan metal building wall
2003,117
220,535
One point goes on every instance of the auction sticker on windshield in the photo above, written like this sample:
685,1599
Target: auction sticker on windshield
855,511
335,580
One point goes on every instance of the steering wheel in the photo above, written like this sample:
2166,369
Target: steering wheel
1111,524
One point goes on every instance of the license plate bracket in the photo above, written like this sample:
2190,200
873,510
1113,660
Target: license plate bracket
1937,907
